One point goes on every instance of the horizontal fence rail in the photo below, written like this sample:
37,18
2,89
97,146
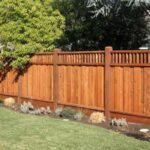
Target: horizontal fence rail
116,82
42,58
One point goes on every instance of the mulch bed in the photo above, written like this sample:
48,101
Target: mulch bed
132,130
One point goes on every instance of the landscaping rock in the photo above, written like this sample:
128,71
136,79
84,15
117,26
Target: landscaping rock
144,130
97,117
9,102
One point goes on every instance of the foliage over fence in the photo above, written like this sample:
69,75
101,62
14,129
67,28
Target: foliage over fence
33,26
27,27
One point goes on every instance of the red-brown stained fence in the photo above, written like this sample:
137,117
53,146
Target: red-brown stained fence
116,82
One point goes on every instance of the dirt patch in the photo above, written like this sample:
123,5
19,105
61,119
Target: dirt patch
132,130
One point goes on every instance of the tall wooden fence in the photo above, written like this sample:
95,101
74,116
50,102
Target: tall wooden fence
116,82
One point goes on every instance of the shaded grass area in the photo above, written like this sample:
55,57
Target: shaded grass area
26,132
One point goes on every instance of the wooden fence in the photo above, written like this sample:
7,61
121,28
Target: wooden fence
116,82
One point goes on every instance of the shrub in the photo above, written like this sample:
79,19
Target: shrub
28,108
9,102
26,28
119,122
68,113
58,111
97,117
1,102
78,116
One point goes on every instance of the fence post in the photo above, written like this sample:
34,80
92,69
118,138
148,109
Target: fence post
107,81
55,78
19,88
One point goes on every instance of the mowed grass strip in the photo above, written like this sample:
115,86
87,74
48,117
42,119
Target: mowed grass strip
27,132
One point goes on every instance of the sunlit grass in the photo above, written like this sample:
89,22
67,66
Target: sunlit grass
26,132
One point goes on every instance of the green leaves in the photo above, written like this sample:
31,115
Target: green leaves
31,25
122,24
105,7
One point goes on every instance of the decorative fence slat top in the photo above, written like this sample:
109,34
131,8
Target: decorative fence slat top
118,57
130,58
80,58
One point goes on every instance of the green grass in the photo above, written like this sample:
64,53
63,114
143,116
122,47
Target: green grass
25,132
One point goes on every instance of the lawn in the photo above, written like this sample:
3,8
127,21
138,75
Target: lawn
26,132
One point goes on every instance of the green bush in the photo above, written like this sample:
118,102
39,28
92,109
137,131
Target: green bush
27,27
58,111
1,102
68,113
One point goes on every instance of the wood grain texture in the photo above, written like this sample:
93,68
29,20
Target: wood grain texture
81,82
82,85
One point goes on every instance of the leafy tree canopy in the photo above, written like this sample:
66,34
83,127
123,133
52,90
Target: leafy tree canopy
94,24
104,7
27,27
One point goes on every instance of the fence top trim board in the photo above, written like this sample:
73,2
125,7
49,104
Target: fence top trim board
94,58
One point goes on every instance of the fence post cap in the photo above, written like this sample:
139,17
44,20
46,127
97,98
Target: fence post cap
109,48
57,50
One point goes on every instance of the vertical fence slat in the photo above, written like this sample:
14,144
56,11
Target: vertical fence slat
55,78
19,89
107,81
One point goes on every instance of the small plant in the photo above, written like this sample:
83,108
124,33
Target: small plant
58,111
1,102
78,116
48,110
119,122
26,107
43,110
97,117
9,102
68,113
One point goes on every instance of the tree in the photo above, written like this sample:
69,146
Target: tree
94,25
125,22
105,7
27,27
76,16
